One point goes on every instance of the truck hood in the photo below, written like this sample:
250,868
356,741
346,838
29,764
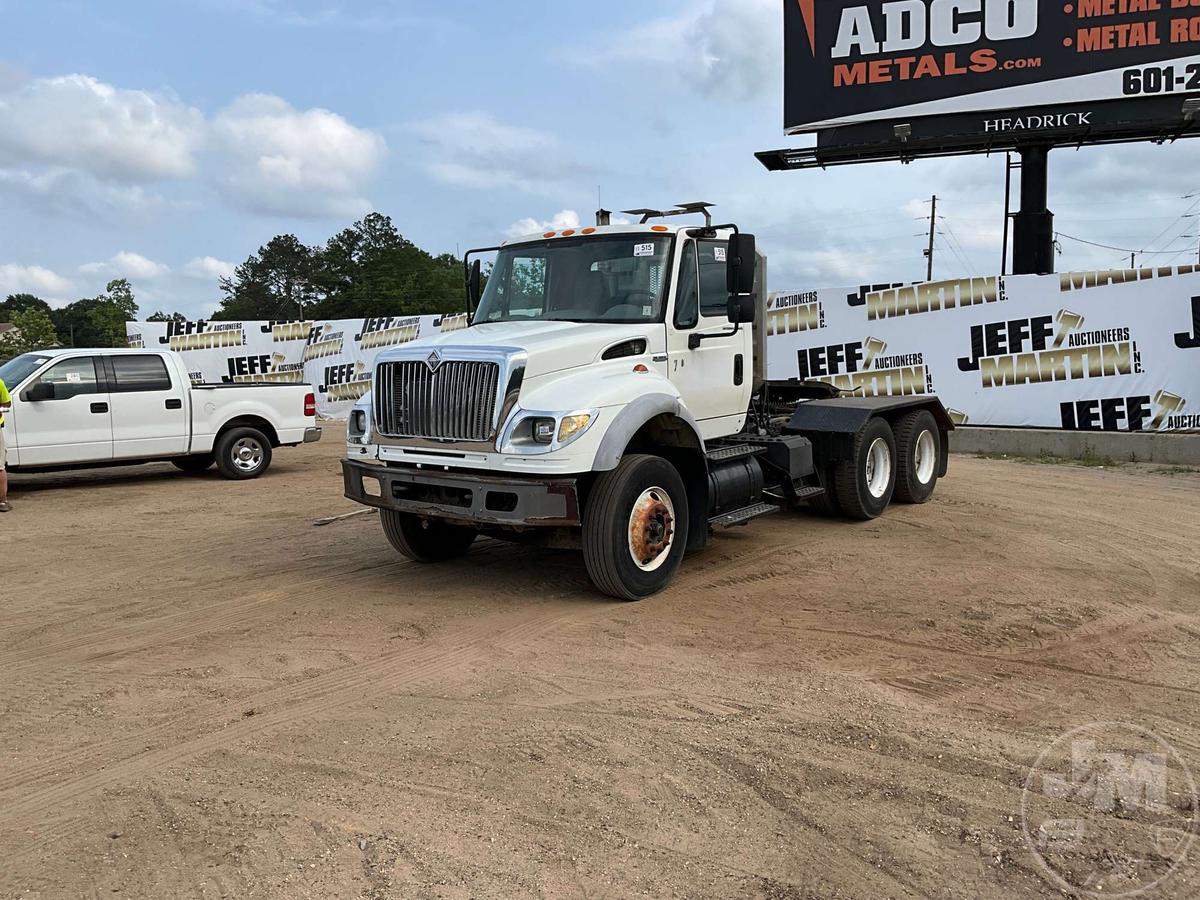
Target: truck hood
550,346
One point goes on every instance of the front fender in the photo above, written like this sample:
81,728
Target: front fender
630,419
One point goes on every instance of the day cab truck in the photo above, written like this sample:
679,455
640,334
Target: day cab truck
89,408
609,395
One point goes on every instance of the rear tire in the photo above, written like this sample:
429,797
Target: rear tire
827,504
426,540
866,482
243,453
635,527
193,465
918,448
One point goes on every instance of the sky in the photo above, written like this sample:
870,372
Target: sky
166,142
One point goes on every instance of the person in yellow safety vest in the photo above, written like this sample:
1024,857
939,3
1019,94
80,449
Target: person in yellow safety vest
5,405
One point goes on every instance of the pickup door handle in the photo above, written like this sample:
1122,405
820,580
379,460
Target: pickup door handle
175,404
99,407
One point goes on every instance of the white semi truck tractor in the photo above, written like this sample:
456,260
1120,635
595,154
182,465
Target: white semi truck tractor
609,395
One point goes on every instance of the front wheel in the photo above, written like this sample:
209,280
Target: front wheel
865,482
243,453
635,527
425,540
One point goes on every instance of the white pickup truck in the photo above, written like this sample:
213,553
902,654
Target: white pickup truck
83,408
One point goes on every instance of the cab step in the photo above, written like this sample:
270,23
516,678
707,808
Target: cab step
732,452
812,492
743,515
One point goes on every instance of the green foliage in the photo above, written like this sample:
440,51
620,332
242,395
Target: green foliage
366,270
34,331
97,321
16,303
160,316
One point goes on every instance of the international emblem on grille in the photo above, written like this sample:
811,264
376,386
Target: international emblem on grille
433,361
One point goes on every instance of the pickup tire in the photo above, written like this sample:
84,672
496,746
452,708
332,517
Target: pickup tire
425,540
194,464
918,445
242,453
865,482
635,527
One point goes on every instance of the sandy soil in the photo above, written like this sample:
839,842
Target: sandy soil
206,696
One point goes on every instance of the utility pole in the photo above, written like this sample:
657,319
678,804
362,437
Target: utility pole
1133,260
929,250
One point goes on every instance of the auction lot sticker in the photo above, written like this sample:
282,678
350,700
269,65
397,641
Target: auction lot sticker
1109,810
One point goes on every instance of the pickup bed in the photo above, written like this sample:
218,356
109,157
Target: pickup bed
83,408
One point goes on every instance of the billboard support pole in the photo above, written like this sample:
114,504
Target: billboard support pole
1008,167
1033,226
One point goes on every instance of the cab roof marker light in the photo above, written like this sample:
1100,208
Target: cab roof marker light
568,232
549,234
588,230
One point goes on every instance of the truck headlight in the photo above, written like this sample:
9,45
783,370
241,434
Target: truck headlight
571,426
543,430
358,423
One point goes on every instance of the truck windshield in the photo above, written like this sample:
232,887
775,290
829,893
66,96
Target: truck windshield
609,278
17,369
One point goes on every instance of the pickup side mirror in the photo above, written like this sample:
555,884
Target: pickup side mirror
473,282
43,390
740,261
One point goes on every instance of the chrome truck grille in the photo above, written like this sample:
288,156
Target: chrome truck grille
454,402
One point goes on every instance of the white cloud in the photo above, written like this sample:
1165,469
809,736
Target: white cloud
74,145
129,265
79,122
17,279
566,218
475,150
731,50
208,267
292,162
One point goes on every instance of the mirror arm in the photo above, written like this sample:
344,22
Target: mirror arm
695,338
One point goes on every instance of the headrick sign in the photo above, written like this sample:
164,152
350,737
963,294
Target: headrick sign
851,62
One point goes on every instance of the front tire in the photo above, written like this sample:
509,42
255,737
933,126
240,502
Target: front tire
866,482
426,540
243,453
635,527
918,445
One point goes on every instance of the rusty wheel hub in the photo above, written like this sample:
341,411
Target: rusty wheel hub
651,528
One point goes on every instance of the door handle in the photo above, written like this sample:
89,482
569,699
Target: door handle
175,403
99,408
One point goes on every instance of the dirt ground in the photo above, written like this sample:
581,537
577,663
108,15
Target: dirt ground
206,696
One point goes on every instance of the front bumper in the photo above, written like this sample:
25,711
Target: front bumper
464,497
312,435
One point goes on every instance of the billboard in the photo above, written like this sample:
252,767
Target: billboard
1113,350
1012,67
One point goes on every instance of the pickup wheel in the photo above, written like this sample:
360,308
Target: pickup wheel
425,540
194,464
243,453
917,445
865,483
635,527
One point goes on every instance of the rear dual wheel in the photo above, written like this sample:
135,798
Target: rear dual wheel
902,464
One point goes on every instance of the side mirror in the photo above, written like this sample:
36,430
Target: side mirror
473,282
43,390
740,262
741,309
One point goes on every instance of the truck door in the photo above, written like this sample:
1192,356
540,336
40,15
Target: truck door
149,409
714,378
72,423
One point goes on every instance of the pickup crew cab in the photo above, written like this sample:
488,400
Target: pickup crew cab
83,408
609,395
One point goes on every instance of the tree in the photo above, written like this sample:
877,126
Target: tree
278,282
97,321
16,303
160,316
33,330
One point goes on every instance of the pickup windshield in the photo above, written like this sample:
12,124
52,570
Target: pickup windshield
617,278
17,369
